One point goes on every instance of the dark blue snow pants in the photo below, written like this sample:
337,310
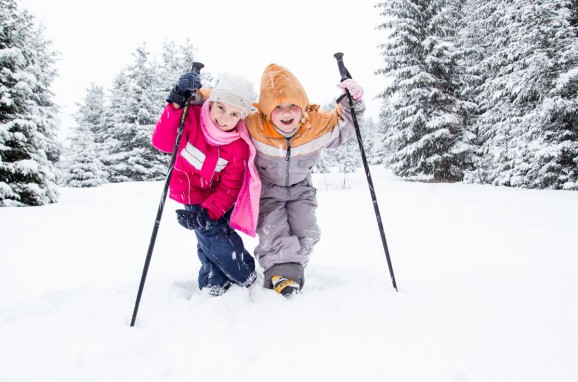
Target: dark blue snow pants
224,259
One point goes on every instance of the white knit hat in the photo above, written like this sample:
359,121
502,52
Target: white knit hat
234,90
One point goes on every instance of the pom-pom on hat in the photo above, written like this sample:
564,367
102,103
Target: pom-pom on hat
279,86
234,90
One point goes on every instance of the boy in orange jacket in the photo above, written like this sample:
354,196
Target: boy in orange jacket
288,133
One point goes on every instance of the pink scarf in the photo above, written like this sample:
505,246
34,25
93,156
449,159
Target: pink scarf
246,209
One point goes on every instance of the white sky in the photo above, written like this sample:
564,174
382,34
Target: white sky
97,39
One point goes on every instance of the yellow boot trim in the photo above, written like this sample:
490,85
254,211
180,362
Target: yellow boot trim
278,287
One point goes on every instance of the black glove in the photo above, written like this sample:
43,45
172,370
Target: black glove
187,219
188,83
204,219
194,220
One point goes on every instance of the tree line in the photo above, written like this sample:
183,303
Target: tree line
481,91
110,141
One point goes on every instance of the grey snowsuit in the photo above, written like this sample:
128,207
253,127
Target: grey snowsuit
287,225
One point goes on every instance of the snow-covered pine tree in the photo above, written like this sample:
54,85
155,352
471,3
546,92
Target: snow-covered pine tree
528,125
372,135
349,160
137,101
573,7
178,59
92,112
421,57
28,116
382,149
44,110
83,167
114,104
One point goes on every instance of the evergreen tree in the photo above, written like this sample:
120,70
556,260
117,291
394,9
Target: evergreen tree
528,124
178,59
83,169
573,7
83,166
349,159
382,150
28,117
427,118
43,108
372,135
92,112
112,117
136,103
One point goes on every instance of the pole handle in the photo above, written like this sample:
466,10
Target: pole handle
342,69
197,66
343,72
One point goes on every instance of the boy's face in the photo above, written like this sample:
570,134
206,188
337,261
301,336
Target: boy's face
286,117
225,116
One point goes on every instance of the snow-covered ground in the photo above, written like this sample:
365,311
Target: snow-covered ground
487,278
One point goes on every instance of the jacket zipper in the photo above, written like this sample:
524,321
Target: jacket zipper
288,160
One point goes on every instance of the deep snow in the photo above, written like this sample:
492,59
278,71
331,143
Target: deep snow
487,277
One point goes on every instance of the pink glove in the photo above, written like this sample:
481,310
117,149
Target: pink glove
354,88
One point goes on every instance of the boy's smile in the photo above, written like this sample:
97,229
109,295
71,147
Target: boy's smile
286,117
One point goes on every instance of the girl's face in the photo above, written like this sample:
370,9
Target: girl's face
286,117
225,116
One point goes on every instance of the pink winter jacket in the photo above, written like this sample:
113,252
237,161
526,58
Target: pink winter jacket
203,174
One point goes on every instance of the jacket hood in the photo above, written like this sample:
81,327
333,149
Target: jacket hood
280,86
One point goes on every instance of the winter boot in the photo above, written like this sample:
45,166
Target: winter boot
285,286
215,290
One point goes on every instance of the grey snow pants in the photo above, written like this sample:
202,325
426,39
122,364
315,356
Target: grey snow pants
287,229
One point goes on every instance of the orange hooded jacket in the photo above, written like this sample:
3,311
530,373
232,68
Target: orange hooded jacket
286,161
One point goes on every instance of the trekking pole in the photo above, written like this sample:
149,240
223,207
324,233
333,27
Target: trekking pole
345,75
197,66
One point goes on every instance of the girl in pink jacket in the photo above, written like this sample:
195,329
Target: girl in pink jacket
214,177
